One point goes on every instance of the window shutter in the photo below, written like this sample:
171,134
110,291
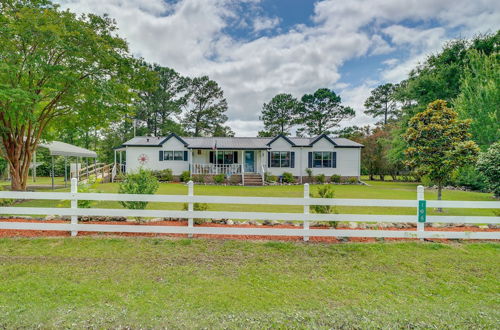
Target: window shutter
268,159
161,155
211,157
334,159
292,159
185,155
235,157
310,159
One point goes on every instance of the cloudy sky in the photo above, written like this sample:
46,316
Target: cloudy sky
257,48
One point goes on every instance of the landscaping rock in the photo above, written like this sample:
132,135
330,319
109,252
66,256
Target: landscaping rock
353,225
229,222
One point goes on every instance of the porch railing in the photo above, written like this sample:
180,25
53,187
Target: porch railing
227,169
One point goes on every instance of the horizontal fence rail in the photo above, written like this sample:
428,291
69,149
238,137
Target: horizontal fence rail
419,204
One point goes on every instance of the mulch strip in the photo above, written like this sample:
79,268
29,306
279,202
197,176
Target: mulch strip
53,233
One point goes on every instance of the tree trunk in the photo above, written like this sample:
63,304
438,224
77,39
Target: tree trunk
440,191
18,152
382,177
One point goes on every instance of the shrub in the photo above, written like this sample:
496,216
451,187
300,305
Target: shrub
164,175
89,187
185,176
335,178
325,191
141,182
309,172
197,207
199,178
489,165
288,177
469,177
269,178
352,180
219,178
320,178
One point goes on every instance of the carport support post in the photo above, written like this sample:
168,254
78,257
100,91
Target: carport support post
420,197
190,204
306,210
74,203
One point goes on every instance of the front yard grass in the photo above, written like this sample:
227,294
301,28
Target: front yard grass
182,283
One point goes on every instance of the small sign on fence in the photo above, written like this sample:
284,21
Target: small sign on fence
422,211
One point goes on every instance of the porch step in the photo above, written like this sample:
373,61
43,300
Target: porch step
253,180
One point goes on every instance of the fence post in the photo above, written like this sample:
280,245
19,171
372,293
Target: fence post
306,209
190,204
74,204
420,198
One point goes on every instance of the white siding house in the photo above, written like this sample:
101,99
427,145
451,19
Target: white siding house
243,156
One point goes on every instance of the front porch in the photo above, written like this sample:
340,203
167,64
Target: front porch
249,164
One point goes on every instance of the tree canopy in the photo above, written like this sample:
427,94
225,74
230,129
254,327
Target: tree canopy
55,67
206,107
322,111
381,103
439,143
279,115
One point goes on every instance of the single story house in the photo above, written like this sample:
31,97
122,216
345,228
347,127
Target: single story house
246,157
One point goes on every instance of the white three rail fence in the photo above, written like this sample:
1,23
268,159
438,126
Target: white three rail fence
420,217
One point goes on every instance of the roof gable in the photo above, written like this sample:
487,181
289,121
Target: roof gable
283,137
323,136
173,135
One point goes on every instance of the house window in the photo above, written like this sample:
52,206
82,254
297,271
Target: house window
322,159
171,155
224,157
280,158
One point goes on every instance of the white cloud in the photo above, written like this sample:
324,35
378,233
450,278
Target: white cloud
265,23
190,36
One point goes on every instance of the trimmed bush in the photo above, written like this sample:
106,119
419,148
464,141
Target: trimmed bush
352,180
90,187
269,178
335,178
320,178
288,177
164,175
199,178
185,176
219,178
141,182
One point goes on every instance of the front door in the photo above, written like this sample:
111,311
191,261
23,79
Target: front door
249,161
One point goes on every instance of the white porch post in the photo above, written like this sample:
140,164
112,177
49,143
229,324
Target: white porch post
121,166
191,155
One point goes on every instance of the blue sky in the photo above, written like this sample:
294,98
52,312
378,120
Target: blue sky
257,48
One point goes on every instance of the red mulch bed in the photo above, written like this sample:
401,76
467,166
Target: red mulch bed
53,233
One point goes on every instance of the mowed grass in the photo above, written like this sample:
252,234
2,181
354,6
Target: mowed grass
182,283
375,190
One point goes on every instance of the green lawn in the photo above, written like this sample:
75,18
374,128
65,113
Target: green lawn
181,283
375,190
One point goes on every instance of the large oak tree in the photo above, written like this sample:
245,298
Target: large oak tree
58,69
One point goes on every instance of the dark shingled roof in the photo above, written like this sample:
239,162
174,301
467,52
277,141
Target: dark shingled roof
232,142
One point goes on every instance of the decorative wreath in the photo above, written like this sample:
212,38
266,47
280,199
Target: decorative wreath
143,159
